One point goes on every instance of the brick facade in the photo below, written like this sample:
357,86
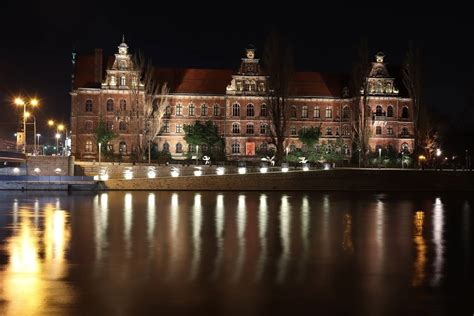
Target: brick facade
233,101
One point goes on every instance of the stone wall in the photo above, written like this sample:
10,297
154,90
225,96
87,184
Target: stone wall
338,179
50,165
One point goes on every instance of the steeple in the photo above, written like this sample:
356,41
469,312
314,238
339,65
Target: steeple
249,79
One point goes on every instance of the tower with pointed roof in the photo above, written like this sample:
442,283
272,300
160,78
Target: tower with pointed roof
379,82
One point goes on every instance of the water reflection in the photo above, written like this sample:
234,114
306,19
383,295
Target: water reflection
420,261
149,248
438,226
241,220
285,217
37,257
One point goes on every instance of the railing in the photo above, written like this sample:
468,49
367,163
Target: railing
403,135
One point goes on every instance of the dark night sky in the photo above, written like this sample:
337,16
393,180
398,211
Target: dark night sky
38,37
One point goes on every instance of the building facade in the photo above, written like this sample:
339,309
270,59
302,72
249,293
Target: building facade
236,102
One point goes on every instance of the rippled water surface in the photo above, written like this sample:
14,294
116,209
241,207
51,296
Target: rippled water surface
246,253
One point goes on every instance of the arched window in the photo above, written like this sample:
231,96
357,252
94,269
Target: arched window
191,110
123,147
179,109
235,148
264,129
235,109
292,147
304,111
250,110
217,110
377,147
328,112
405,112
293,112
346,112
191,148
123,105
179,148
263,110
249,129
88,105
168,110
317,112
405,131
235,128
88,147
390,111
88,126
345,150
204,110
122,126
378,130
166,147
123,81
110,105
378,110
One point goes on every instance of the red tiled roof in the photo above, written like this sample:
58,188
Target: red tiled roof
214,81
196,81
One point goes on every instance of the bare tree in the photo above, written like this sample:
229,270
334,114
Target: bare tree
278,61
151,98
359,86
411,75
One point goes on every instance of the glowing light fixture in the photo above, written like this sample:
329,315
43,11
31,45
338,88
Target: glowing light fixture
16,170
198,172
57,170
175,172
263,169
220,171
128,174
242,170
37,170
151,172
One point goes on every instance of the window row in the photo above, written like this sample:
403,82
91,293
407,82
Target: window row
264,130
379,111
378,131
109,105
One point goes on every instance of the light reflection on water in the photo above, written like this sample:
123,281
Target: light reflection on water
177,245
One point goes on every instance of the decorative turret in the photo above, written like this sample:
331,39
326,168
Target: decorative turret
122,73
379,81
249,80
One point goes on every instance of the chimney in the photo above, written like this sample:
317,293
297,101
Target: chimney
98,65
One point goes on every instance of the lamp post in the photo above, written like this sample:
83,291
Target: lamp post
380,157
20,102
57,136
197,154
100,146
359,157
38,142
59,128
286,153
438,154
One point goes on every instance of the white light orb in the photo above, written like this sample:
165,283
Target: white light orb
263,170
175,173
57,170
285,169
128,174
220,171
16,170
305,168
198,173
37,170
242,170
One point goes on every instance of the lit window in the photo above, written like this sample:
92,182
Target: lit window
123,147
389,130
317,112
264,129
235,128
217,110
328,112
249,129
235,148
88,147
204,110
179,109
123,81
235,109
166,128
191,110
304,111
250,110
179,128
263,110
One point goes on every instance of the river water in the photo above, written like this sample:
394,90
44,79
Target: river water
236,253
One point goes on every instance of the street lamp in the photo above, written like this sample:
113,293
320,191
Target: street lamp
20,102
57,136
59,128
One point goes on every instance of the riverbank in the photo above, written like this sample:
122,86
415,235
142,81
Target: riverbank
343,179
